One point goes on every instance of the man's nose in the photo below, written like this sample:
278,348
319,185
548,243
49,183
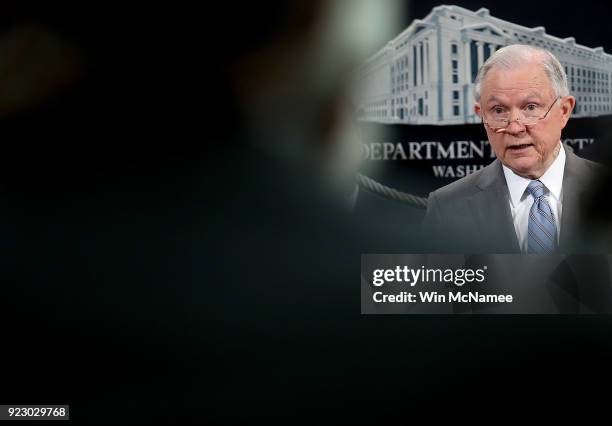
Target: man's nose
514,127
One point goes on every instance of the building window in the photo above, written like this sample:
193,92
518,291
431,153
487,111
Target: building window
455,70
455,110
454,49
455,94
487,51
420,106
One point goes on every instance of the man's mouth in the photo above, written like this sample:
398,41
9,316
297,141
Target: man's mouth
519,147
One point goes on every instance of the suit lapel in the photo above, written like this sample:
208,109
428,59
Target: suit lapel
490,207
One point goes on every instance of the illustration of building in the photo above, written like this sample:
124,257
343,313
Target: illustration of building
425,75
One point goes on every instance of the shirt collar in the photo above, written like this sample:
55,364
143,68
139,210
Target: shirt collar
552,179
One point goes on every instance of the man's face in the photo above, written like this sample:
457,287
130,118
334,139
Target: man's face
527,150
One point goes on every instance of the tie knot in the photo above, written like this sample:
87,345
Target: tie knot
536,188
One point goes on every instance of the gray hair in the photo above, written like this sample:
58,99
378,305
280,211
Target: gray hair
515,55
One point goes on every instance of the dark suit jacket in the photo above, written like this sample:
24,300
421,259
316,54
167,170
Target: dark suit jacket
472,215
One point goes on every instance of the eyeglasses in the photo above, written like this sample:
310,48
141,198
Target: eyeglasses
500,117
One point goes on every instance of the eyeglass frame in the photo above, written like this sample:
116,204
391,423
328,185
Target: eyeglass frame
518,119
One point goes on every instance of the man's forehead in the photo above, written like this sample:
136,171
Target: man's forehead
503,96
525,81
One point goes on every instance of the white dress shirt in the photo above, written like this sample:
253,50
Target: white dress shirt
521,201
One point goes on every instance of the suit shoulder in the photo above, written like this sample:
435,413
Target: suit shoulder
592,169
461,188
594,166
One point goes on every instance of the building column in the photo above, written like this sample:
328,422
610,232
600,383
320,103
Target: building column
480,46
426,60
418,63
467,62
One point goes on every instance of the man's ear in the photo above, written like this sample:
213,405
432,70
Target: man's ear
567,106
477,108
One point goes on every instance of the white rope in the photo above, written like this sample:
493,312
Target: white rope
392,193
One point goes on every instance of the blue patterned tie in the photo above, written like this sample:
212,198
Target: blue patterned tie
542,229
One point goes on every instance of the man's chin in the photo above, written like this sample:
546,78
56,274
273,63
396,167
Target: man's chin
523,167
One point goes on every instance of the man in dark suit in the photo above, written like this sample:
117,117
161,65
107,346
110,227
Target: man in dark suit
528,200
